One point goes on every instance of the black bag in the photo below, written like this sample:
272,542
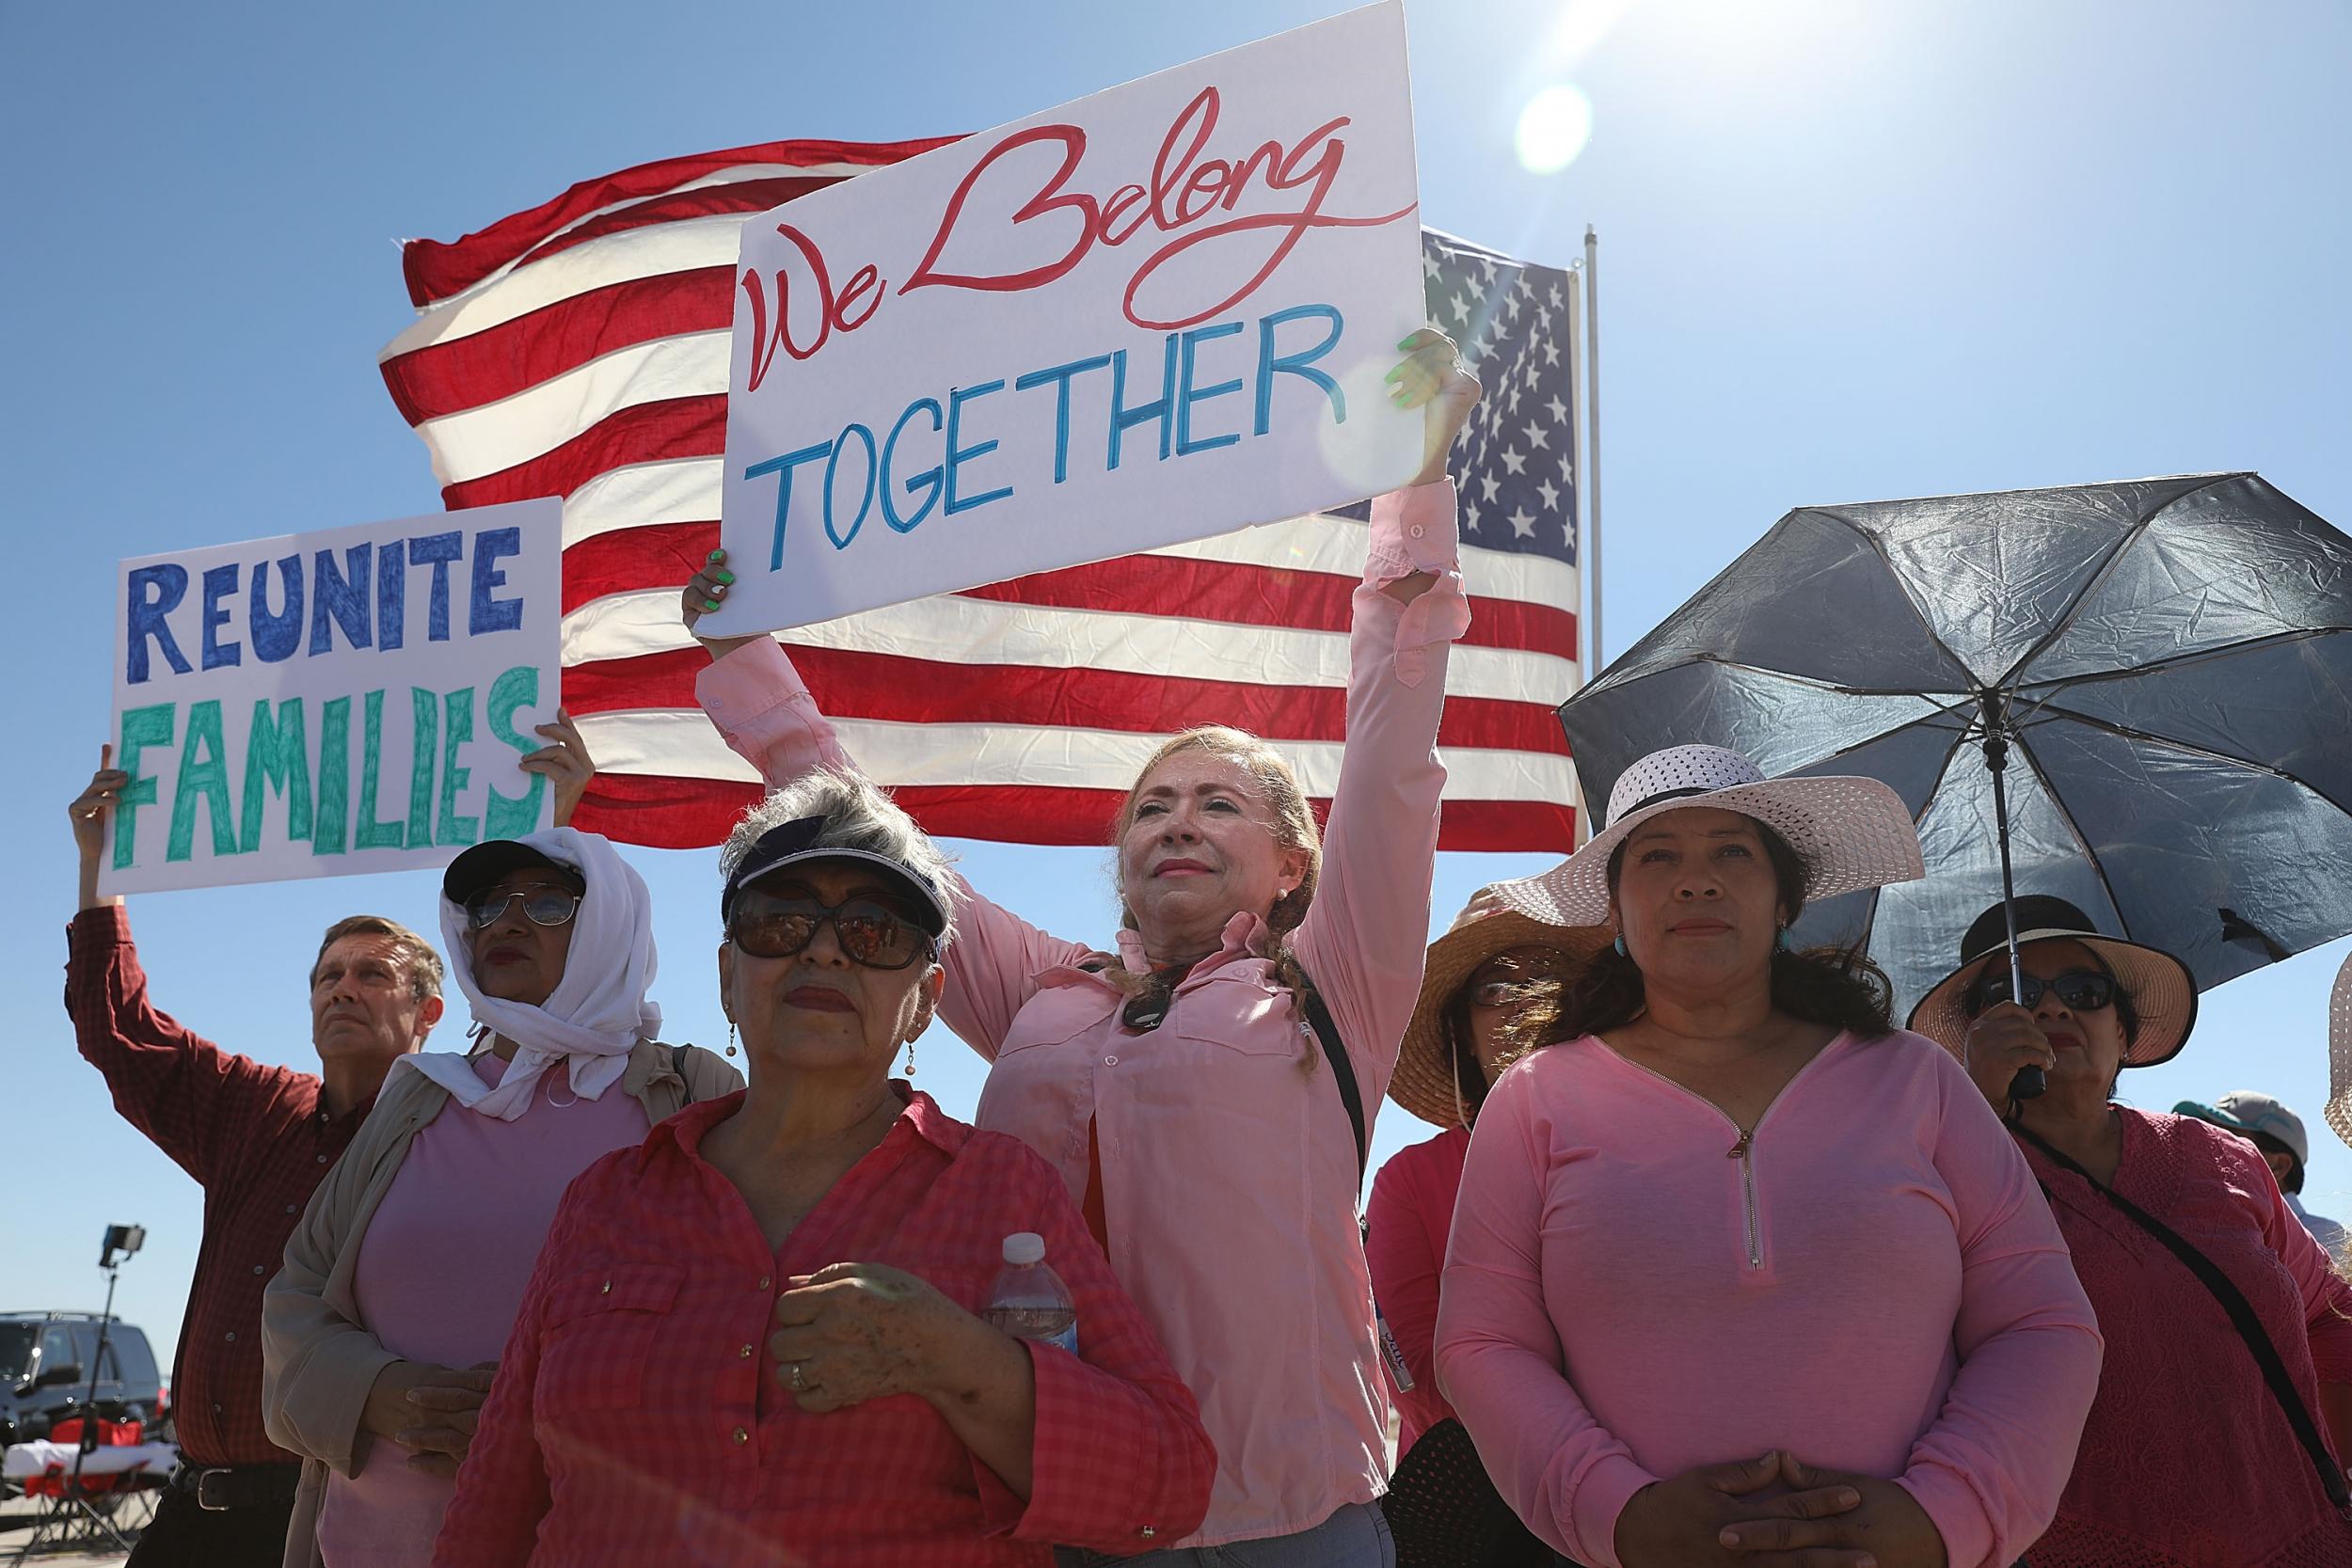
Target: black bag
1444,1513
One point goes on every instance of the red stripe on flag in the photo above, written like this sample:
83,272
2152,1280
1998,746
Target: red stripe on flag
691,813
436,269
887,688
644,432
1258,597
743,198
518,355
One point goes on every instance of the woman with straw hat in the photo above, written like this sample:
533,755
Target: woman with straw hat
1739,1269
2229,1338
1491,970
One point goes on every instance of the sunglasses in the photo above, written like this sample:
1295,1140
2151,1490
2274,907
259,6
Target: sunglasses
541,907
2084,990
869,932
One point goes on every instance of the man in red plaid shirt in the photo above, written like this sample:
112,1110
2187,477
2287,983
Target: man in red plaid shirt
259,1139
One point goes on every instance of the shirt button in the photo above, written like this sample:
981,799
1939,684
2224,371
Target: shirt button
321,1159
606,1290
742,1436
745,1352
1110,1061
1417,530
232,1334
290,1208
765,1281
256,1268
216,1410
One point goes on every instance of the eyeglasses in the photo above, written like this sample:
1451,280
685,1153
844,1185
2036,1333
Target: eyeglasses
542,906
871,932
2085,990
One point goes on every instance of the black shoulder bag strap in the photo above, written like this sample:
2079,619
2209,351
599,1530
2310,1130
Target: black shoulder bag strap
1342,1073
2242,1317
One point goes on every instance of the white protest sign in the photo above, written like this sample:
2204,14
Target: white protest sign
354,699
1154,315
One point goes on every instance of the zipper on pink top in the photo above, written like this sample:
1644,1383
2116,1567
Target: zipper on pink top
1743,1151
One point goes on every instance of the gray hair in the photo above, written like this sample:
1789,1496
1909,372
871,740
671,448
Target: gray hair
858,815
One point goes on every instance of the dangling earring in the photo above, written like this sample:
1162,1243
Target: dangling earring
730,1037
910,1058
1780,940
1619,945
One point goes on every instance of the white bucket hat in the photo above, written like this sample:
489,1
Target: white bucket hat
1852,833
2339,1055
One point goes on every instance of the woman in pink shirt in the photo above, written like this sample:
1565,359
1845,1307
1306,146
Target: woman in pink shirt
1738,1269
1174,1083
1482,978
2190,1459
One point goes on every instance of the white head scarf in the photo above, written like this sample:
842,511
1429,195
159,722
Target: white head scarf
596,1013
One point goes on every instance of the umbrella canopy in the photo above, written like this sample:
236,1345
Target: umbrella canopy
2169,658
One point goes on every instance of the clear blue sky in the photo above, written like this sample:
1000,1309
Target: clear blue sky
1851,249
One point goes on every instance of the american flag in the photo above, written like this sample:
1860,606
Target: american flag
581,349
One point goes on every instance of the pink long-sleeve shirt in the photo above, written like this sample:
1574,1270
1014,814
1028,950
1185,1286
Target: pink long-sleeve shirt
1877,1287
1229,1166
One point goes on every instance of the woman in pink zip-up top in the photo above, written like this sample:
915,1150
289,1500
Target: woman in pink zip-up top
1739,1269
1174,1079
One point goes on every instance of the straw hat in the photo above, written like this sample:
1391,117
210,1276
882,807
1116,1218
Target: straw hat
1423,1082
2339,1111
2163,994
1852,833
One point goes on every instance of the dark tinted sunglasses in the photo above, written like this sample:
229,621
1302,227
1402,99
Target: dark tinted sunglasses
2084,990
867,930
542,906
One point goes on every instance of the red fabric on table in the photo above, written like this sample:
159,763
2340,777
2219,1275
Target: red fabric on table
257,1138
2186,1460
637,1416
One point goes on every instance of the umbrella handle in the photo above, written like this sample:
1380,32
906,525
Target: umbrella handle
2031,1083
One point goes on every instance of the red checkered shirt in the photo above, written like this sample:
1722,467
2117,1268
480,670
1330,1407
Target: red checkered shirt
637,1416
258,1139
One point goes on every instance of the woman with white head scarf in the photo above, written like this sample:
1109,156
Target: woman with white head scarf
377,1355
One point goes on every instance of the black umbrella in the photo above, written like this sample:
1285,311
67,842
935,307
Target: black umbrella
2164,665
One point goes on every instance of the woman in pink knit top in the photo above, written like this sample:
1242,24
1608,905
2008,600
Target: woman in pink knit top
2189,1460
1738,1269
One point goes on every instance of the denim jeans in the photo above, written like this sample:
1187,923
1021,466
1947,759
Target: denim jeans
1355,1537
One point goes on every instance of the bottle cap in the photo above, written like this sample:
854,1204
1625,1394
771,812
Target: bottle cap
1023,1247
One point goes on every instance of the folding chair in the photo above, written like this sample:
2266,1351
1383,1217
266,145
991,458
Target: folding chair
95,1479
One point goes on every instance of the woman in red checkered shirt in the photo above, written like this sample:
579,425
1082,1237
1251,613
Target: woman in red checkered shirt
755,1339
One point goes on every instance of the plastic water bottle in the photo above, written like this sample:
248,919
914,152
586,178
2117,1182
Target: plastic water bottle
1028,1300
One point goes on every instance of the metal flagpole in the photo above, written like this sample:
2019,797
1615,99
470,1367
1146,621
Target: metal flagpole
1589,558
1588,491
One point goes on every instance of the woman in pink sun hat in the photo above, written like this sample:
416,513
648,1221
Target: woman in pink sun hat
1492,969
1738,1267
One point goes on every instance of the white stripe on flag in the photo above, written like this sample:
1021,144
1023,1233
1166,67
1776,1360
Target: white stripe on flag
955,630
498,436
681,743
